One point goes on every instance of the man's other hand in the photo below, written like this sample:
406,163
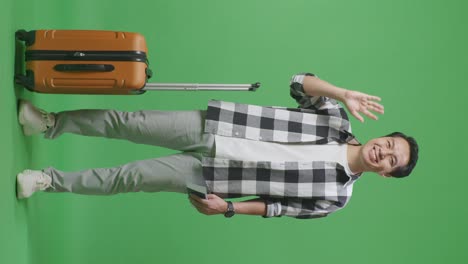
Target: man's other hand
210,206
358,102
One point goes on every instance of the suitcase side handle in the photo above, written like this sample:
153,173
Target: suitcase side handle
84,67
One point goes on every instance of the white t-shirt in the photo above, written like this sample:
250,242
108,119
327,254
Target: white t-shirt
252,150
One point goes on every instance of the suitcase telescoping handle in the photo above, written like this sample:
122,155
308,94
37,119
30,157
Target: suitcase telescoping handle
201,87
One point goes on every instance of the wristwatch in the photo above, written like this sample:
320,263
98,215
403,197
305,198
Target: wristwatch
230,210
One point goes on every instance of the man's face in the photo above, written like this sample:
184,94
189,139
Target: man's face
385,154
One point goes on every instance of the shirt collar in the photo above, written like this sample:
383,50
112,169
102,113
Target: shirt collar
352,179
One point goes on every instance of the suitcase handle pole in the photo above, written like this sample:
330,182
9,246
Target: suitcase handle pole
201,87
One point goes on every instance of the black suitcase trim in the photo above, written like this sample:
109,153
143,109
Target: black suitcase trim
64,55
29,37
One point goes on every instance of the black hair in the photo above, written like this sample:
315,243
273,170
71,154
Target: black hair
404,171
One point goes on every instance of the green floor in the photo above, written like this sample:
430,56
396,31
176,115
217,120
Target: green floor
411,53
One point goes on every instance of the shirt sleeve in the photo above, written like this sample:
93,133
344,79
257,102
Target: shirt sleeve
309,102
272,208
299,208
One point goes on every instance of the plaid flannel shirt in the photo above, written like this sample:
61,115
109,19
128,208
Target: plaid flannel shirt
303,189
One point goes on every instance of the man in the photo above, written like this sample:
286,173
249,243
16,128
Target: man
299,162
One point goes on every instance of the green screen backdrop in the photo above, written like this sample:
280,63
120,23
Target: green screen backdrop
411,53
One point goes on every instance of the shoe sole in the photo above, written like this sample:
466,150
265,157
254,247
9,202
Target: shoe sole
21,107
27,130
19,190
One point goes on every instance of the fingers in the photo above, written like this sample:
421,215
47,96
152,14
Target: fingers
369,114
374,98
357,116
375,107
196,201
198,204
367,96
364,103
202,205
211,196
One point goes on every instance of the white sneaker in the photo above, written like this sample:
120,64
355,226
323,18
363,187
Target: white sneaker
33,119
31,181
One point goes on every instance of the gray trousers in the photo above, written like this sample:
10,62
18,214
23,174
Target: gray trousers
178,130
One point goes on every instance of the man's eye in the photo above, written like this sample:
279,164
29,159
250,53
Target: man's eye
388,144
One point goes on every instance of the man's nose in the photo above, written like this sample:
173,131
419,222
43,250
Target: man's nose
385,152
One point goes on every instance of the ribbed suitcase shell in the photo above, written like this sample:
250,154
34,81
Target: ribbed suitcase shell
127,77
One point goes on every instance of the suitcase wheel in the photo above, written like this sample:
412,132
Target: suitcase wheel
27,36
137,91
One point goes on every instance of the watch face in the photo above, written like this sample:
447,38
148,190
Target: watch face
230,211
229,214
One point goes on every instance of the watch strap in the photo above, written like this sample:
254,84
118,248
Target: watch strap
230,210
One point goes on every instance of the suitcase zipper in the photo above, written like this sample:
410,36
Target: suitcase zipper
137,56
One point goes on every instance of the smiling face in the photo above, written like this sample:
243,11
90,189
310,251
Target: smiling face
383,155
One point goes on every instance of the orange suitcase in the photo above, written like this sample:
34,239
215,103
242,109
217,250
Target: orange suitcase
94,62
